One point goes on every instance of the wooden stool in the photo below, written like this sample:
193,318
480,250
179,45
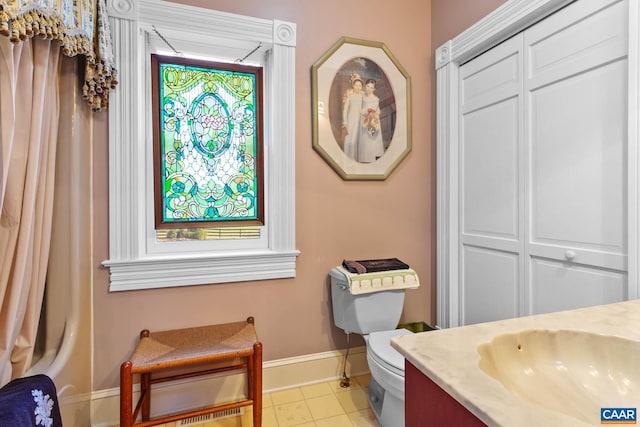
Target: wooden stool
235,343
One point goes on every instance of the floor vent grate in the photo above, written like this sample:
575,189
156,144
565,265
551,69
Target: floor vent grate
201,419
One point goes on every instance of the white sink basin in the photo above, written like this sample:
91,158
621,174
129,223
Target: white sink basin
568,371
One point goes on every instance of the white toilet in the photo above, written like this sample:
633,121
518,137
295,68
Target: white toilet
374,314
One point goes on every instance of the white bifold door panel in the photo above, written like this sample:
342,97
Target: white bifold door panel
492,185
543,194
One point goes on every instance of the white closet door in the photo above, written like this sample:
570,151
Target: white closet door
543,193
491,255
575,120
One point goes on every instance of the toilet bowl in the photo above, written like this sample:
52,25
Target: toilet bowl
386,387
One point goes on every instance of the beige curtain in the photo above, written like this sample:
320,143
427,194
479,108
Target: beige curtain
29,121
33,35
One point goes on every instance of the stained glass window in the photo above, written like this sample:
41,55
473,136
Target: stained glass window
207,143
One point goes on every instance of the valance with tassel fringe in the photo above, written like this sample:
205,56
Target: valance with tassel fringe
81,27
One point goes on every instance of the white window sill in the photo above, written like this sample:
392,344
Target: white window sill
163,272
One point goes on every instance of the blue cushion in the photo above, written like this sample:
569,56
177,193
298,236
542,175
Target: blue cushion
30,402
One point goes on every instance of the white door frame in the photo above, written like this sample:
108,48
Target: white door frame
511,18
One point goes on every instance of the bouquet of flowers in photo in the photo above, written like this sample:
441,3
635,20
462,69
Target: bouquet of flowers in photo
371,121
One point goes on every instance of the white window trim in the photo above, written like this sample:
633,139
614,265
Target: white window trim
133,261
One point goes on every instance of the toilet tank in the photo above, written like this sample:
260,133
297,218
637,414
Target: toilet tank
364,313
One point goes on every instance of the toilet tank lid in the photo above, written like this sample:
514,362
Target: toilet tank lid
378,281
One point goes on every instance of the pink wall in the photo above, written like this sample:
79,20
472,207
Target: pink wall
451,17
335,219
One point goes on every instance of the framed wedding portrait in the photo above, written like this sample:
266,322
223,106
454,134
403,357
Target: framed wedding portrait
361,107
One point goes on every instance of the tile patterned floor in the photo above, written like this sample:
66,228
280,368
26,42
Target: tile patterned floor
317,405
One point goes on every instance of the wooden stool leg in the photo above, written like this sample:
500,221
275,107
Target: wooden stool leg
250,375
145,390
126,392
256,384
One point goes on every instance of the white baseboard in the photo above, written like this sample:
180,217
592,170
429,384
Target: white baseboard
211,389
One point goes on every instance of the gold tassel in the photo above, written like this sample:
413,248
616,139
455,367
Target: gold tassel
28,19
17,30
4,24
36,24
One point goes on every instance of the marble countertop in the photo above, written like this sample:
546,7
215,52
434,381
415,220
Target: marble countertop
449,357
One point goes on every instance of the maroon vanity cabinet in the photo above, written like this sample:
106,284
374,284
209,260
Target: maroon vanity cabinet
427,405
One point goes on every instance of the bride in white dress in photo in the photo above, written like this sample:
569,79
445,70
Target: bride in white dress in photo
351,111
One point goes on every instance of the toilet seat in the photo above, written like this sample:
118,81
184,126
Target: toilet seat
380,350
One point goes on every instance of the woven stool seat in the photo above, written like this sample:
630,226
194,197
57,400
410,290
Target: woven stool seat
235,345
206,343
